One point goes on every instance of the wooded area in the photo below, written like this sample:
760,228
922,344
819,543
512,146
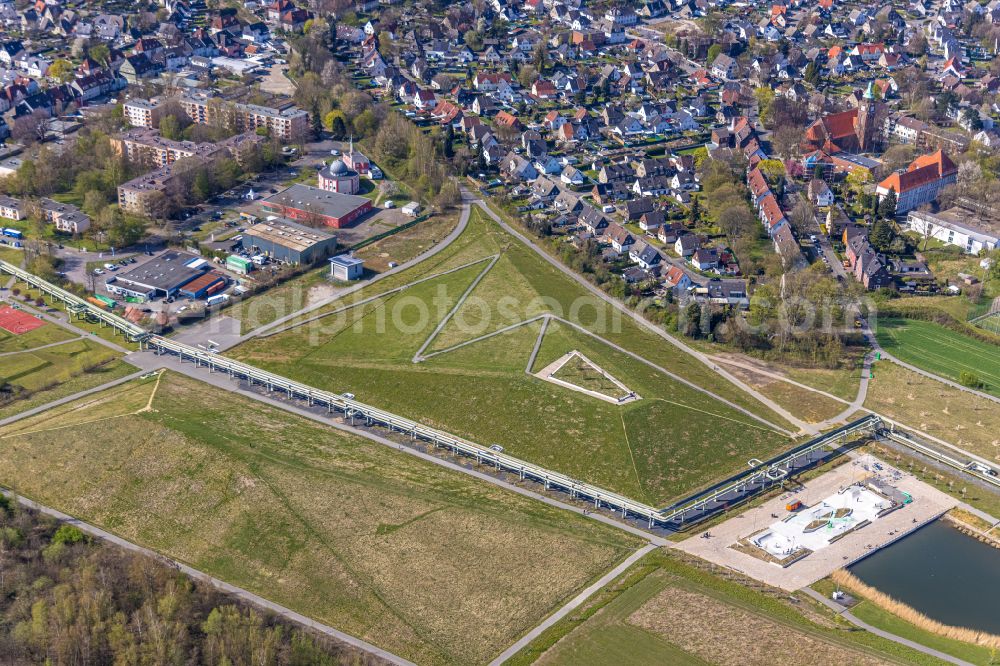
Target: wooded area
68,599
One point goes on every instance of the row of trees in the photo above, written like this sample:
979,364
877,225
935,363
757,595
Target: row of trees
69,600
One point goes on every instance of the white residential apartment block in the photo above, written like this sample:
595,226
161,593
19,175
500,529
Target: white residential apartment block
142,113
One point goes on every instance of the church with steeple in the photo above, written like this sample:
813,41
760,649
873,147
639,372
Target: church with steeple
853,131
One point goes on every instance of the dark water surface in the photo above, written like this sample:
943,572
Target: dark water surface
946,575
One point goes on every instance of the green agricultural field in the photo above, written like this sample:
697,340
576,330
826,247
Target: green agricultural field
673,440
936,349
665,610
428,563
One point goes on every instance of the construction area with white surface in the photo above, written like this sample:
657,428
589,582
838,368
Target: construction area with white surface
727,544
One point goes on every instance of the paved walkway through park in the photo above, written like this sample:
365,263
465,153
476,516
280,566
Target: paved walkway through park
856,621
41,347
930,375
463,222
807,428
575,603
238,592
60,318
70,398
852,407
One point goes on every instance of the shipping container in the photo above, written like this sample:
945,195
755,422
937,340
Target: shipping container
110,302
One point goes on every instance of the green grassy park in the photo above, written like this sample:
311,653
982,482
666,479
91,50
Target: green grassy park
673,440
428,563
578,372
39,337
49,363
668,610
939,350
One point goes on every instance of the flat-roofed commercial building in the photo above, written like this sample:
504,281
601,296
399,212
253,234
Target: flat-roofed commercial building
316,206
161,276
205,285
284,240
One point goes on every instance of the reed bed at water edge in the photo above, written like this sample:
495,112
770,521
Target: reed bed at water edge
847,580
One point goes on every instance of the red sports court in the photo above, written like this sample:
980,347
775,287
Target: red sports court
18,322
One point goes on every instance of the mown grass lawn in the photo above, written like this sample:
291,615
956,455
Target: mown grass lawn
422,561
108,372
43,335
936,349
45,368
673,440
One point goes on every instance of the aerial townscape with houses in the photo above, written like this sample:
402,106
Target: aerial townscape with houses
575,332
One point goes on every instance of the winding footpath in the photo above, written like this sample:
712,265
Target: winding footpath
856,621
463,222
873,341
807,428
